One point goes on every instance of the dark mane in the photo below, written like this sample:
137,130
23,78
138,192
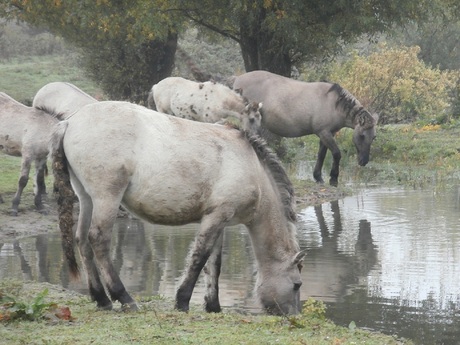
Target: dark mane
270,159
51,112
344,99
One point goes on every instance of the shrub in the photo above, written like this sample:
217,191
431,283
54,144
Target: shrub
395,83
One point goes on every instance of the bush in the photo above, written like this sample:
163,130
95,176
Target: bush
395,83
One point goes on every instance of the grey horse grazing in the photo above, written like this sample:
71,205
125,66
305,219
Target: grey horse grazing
294,108
172,171
205,102
61,98
25,132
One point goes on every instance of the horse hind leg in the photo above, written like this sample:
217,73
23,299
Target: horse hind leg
212,273
99,237
22,183
95,285
40,186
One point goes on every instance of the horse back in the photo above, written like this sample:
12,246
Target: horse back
23,128
164,169
291,108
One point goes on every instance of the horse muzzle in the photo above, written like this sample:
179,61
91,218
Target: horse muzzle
362,161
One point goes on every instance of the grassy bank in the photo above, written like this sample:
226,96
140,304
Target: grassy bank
72,319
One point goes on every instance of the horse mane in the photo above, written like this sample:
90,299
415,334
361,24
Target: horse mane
344,99
51,112
272,162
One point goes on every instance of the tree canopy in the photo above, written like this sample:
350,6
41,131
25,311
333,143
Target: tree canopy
273,35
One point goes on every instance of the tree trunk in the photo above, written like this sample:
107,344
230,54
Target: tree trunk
260,50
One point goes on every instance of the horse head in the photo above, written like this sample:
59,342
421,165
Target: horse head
279,292
364,134
251,118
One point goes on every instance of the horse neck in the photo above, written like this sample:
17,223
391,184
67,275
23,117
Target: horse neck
350,116
273,236
234,106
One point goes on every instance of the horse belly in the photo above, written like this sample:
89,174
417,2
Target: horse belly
165,204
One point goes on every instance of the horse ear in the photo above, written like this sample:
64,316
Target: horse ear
260,105
299,257
366,120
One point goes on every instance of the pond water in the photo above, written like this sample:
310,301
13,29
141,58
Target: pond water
386,258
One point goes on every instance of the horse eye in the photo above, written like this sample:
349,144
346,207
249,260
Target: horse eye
297,286
300,266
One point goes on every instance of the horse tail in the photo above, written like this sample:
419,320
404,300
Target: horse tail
271,160
64,195
151,101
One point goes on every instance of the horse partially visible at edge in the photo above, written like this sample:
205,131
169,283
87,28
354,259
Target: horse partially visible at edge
205,102
61,99
294,108
172,171
25,132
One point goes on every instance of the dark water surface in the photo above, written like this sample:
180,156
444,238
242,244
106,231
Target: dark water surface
387,259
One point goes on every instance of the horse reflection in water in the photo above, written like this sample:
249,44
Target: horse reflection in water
172,171
330,272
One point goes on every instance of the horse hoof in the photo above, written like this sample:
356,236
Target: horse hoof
14,213
106,307
213,308
43,211
128,307
182,307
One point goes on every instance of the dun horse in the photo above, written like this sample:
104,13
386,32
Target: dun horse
293,108
25,132
61,99
172,171
204,102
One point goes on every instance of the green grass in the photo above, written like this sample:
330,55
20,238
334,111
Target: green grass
22,78
9,173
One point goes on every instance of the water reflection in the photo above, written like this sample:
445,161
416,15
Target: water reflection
330,268
393,260
387,259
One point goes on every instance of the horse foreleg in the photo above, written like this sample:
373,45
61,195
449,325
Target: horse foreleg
212,273
336,156
317,174
22,183
203,246
40,186
327,141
